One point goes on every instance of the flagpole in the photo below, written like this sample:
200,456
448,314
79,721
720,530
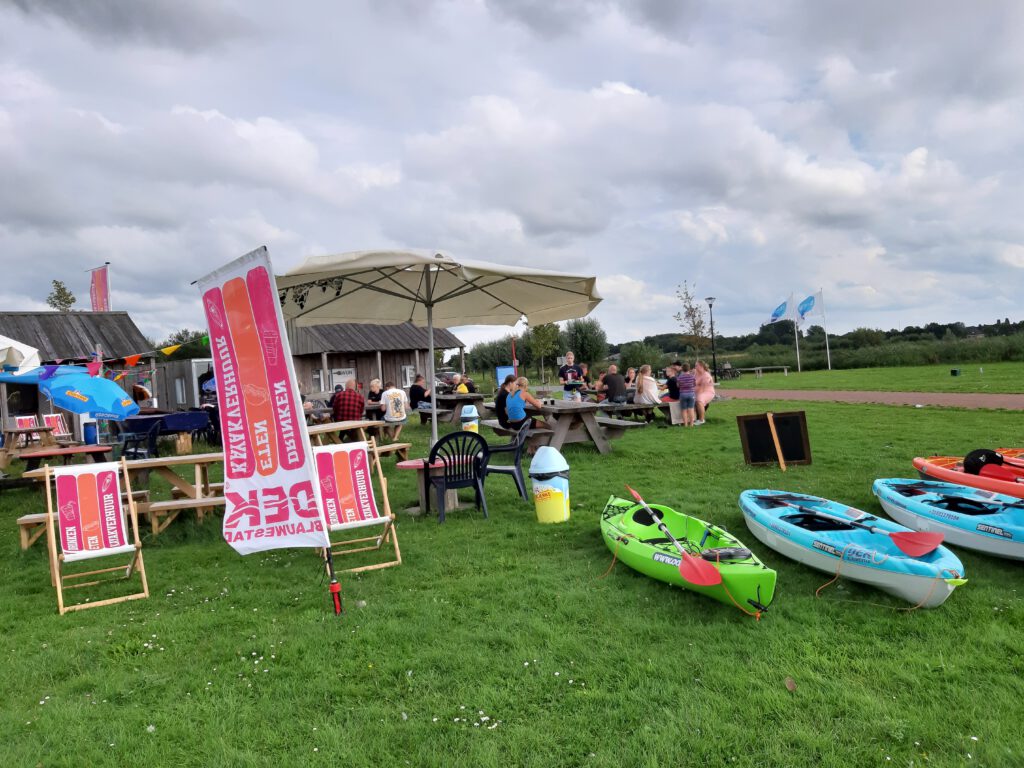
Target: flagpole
824,324
796,337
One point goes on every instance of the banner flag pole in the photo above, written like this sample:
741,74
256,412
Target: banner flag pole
824,324
796,337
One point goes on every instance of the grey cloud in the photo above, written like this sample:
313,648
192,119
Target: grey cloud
187,25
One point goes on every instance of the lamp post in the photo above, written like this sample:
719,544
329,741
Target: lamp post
714,359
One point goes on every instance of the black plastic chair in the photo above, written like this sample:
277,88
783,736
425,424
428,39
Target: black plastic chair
141,445
464,456
515,447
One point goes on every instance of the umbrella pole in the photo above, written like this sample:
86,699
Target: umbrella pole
430,366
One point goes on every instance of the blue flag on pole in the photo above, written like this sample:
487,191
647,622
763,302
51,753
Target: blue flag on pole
783,312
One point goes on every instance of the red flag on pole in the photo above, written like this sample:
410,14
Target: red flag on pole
99,290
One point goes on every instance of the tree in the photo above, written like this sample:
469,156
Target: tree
638,353
543,342
587,339
191,344
60,297
692,318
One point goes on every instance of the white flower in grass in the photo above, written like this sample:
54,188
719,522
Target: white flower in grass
150,728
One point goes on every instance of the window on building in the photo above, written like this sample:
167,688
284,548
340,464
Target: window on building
408,375
318,380
179,391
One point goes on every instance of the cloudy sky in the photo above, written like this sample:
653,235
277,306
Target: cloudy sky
873,149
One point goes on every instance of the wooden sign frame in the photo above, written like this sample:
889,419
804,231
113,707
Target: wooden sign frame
759,446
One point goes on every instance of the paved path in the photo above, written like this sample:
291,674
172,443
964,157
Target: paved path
948,399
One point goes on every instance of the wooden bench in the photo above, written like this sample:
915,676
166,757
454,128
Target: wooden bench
537,438
628,410
31,527
400,449
163,513
615,428
443,414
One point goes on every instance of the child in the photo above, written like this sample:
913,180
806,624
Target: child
687,384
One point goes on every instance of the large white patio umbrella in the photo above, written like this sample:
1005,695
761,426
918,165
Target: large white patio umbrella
429,289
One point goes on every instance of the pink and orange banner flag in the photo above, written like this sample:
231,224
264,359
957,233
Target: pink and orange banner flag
270,484
99,289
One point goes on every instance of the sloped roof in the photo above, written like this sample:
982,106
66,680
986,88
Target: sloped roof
73,335
357,337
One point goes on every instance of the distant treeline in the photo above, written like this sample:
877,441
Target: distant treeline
771,345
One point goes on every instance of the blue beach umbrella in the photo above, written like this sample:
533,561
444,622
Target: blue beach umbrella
89,395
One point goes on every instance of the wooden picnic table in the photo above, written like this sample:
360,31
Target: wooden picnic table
456,403
199,495
12,436
34,459
574,422
628,410
333,429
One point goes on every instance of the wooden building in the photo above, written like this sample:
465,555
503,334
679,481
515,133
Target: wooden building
326,355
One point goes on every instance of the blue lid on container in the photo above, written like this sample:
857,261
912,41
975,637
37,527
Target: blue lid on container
548,463
470,412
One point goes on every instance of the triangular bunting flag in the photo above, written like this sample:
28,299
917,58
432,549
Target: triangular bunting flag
94,367
171,349
132,360
48,372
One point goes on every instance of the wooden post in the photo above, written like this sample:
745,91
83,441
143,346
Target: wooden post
416,359
462,355
325,376
152,382
775,439
380,368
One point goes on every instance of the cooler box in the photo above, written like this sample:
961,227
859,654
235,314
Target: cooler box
549,472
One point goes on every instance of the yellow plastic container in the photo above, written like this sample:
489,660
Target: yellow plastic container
549,472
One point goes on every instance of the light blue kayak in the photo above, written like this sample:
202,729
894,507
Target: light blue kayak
787,523
982,520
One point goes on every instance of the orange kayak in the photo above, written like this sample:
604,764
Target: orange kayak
999,479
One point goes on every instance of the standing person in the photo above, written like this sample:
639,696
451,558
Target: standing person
705,391
614,385
687,383
570,376
419,395
671,385
500,406
396,407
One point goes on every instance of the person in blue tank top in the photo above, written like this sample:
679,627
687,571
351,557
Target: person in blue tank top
516,404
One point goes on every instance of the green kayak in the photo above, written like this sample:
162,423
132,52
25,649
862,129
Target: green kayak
633,536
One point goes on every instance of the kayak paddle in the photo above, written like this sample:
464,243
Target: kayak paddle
913,543
693,569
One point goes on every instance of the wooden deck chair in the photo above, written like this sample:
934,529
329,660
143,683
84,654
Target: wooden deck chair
346,483
24,422
88,521
55,421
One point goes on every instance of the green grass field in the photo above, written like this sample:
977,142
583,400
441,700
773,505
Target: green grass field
498,642
974,377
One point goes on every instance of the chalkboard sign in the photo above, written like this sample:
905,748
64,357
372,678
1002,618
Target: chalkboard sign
758,446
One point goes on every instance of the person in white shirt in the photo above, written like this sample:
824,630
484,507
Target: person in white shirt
396,408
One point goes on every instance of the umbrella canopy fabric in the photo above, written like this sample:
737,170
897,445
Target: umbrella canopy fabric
429,289
14,354
400,286
85,394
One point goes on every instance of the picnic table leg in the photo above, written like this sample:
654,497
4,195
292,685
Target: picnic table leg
562,424
595,432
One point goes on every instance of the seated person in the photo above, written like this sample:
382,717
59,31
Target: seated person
500,399
396,407
614,385
458,385
470,386
671,393
337,389
374,396
419,395
646,390
348,404
586,374
516,404
630,377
